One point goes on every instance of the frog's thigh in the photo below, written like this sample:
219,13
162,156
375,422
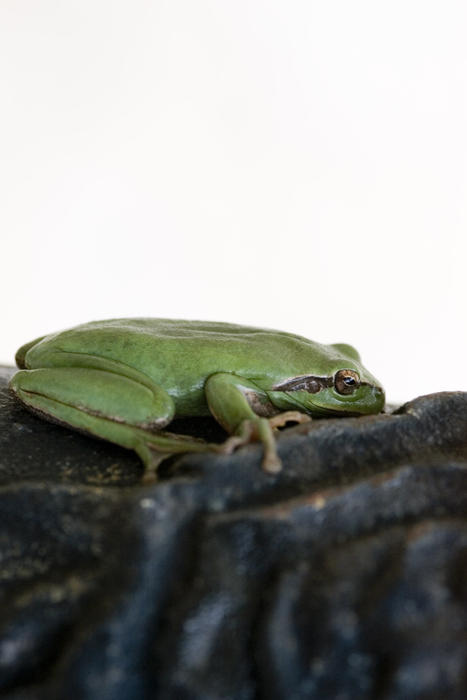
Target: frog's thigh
103,403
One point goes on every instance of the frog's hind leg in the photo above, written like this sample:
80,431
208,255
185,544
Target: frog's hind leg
20,357
106,405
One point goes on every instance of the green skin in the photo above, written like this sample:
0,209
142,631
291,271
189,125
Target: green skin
124,380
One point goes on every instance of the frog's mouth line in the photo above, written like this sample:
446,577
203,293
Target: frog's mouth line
332,412
320,411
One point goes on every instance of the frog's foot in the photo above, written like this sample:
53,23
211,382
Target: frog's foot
252,430
154,448
245,435
289,417
262,429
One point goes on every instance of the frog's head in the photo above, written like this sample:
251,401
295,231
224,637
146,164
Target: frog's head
345,387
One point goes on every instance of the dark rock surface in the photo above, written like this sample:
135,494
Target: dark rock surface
344,576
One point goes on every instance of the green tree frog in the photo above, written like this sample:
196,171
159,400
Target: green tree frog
124,380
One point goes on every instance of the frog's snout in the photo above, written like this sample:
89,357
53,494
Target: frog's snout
379,397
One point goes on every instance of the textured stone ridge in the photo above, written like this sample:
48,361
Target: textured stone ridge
344,576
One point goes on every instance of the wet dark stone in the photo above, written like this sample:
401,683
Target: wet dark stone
342,577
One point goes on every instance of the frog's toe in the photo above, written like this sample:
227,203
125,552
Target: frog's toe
252,430
289,417
271,463
243,437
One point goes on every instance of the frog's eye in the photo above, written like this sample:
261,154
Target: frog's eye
346,381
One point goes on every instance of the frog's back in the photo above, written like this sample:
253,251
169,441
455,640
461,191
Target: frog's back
176,352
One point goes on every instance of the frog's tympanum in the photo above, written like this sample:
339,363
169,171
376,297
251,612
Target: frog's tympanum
124,380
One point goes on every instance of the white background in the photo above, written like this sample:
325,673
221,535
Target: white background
299,165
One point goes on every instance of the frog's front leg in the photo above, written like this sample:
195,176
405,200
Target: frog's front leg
108,405
245,411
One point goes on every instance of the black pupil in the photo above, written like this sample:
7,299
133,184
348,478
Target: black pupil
349,381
